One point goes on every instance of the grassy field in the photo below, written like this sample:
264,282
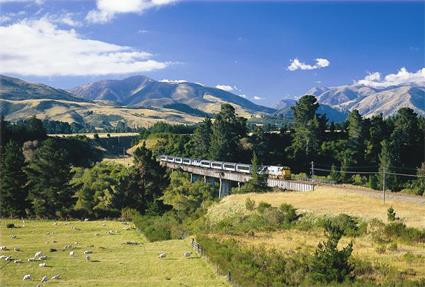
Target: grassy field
113,263
101,135
409,259
329,200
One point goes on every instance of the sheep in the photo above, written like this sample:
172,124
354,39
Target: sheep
31,259
162,255
2,257
8,258
86,219
17,261
44,257
27,277
88,252
56,277
3,248
88,258
44,279
187,254
38,254
44,264
17,249
13,236
72,253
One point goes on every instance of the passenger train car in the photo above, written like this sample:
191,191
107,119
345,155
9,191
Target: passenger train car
280,172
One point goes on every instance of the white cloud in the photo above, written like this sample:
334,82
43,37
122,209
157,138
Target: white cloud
38,2
107,9
257,98
40,48
403,76
227,88
243,96
296,64
173,81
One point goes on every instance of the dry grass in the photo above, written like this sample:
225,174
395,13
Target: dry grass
328,200
364,248
126,161
113,263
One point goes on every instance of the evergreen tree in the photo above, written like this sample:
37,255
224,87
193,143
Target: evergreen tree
201,139
305,143
48,176
386,165
13,193
150,179
356,136
227,130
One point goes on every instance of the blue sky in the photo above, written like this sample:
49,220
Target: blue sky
248,47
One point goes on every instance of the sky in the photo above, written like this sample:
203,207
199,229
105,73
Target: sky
262,50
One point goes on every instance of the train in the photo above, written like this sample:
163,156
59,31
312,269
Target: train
272,171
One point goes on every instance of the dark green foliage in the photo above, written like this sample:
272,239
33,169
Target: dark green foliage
348,225
22,131
391,215
398,230
250,204
163,127
257,182
48,176
13,192
262,206
255,267
150,179
330,264
200,143
10,225
227,130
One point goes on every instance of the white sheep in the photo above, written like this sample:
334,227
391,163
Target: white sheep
2,257
13,236
72,253
162,255
44,257
27,277
17,261
88,252
44,264
44,279
187,254
8,258
31,259
56,277
3,248
38,254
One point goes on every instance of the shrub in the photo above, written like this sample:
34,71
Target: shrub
289,212
391,215
330,264
376,230
250,204
393,246
380,249
401,231
262,206
347,224
10,225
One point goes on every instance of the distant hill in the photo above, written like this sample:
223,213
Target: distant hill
137,101
16,89
372,100
141,91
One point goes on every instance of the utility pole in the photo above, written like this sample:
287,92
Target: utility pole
383,183
312,170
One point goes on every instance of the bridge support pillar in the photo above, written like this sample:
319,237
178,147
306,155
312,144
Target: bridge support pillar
224,188
191,177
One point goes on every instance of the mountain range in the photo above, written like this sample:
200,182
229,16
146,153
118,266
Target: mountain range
337,101
141,101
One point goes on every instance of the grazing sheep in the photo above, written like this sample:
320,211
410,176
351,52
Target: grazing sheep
88,252
27,277
17,261
2,257
86,219
3,248
13,236
187,254
162,255
72,253
88,258
44,257
17,249
44,279
38,254
44,264
56,277
8,258
31,259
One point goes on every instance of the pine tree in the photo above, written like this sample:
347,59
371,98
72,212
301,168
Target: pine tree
386,165
201,139
48,176
227,130
13,193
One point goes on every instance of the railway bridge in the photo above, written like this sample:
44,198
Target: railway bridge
228,178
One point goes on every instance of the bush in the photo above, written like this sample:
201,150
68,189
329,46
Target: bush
347,224
289,212
10,225
262,206
391,215
398,230
330,264
250,204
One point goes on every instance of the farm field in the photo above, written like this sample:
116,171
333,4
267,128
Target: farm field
113,261
332,201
